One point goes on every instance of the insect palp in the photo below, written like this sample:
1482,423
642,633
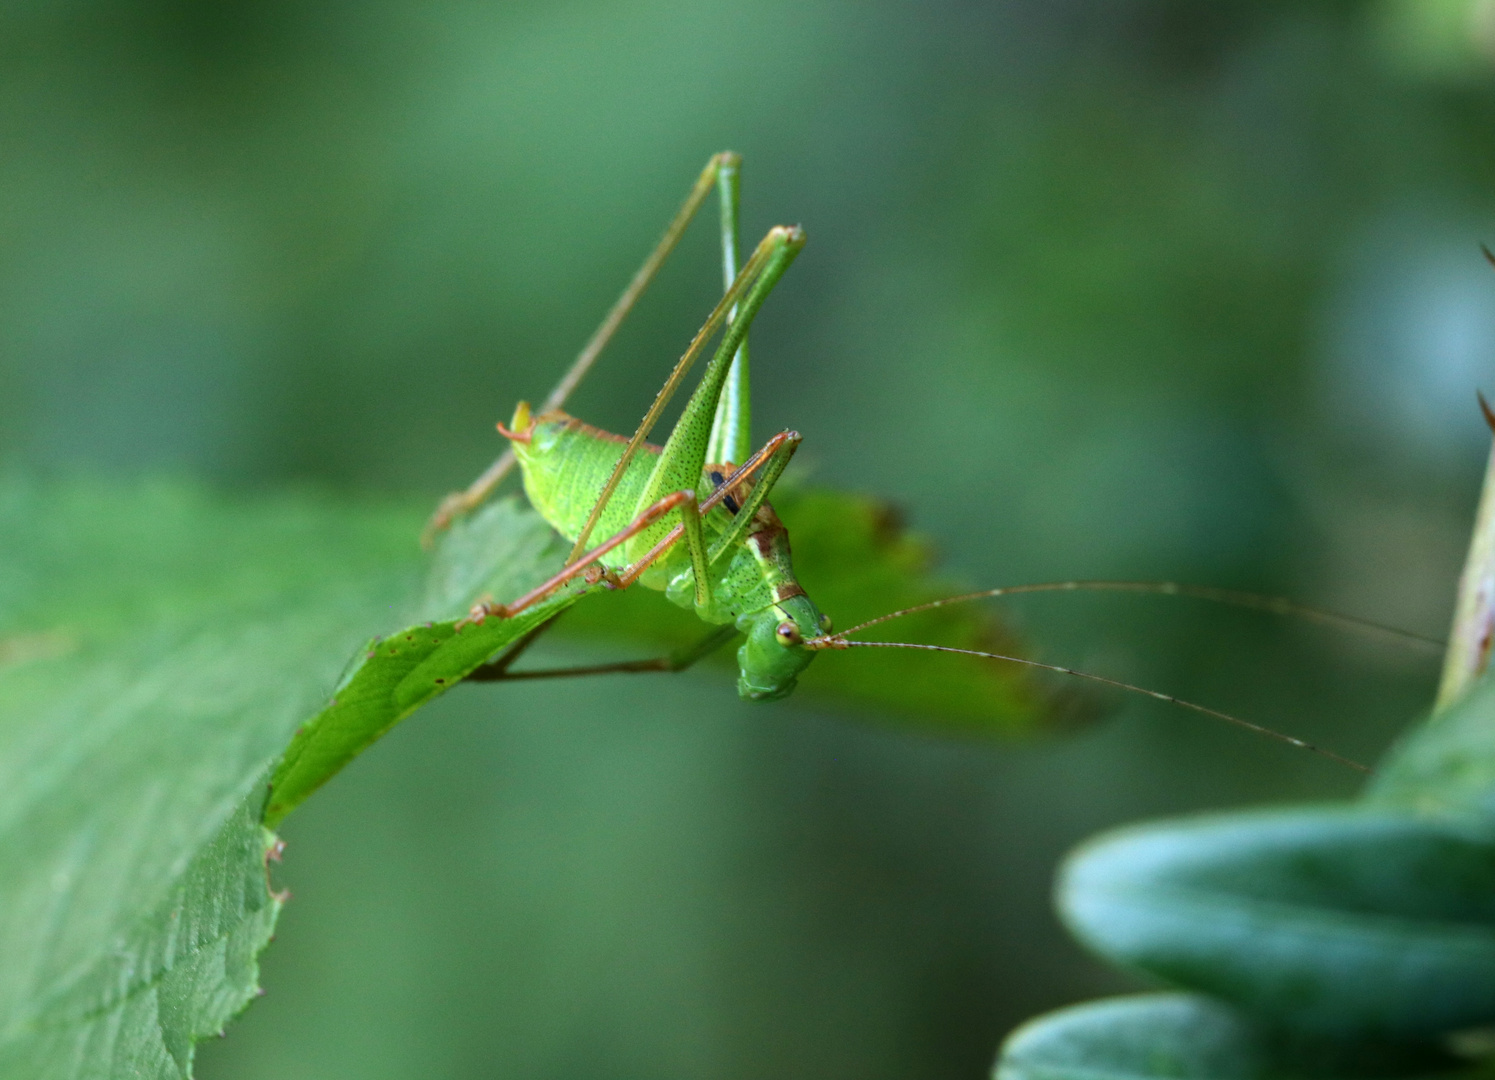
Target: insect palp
718,479
522,427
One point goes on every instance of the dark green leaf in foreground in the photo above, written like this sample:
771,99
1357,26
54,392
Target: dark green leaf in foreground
1445,765
1193,1037
1144,1037
1337,921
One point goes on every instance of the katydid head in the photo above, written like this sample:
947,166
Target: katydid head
770,660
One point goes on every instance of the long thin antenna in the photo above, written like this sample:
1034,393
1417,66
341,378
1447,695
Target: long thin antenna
837,642
1277,605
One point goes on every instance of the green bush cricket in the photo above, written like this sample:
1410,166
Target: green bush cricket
692,518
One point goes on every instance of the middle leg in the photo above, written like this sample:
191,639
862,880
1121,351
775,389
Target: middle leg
678,660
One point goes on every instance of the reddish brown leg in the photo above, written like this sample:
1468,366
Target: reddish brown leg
581,567
754,463
588,566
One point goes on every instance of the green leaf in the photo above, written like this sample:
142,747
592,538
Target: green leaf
157,648
1340,921
1194,1037
502,551
856,560
176,975
1445,765
1143,1037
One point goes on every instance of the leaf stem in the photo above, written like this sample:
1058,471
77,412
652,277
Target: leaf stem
1474,611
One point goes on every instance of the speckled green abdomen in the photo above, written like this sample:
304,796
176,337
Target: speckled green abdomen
566,463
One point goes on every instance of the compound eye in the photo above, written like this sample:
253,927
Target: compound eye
788,633
825,624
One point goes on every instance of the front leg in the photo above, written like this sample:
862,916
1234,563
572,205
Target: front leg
769,462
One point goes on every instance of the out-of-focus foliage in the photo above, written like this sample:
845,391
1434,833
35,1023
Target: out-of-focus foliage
1184,1036
1336,921
1447,767
1352,939
1193,1037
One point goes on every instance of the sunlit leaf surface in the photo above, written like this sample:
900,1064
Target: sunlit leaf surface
502,552
157,648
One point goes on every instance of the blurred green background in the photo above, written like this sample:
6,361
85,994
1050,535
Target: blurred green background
1094,289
